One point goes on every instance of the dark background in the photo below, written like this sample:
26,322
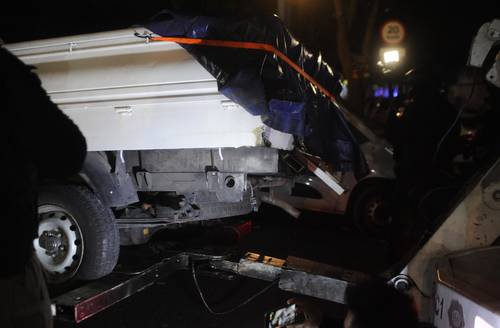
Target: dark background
439,32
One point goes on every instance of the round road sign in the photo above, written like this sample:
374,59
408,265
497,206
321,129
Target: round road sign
392,32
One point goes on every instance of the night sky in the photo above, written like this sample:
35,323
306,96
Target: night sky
442,31
439,32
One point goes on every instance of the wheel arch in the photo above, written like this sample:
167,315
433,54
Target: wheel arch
104,173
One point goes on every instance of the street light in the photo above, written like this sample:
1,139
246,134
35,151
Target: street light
391,56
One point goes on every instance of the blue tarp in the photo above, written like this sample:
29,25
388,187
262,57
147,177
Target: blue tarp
266,85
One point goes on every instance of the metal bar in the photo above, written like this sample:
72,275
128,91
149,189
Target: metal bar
327,288
77,42
295,275
156,222
84,302
115,87
319,280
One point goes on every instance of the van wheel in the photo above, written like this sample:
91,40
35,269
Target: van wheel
370,206
77,234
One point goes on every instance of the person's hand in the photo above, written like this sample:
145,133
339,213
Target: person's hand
312,313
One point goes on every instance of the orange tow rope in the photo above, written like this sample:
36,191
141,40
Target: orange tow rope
248,45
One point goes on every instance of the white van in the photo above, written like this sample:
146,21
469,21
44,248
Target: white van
166,148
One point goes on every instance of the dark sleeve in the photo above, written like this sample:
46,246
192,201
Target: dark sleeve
55,143
330,322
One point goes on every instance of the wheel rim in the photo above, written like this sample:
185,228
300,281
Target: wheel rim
59,245
375,214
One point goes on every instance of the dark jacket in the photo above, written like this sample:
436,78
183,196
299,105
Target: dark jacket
39,142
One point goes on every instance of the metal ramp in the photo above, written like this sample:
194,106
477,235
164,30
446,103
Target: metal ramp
293,274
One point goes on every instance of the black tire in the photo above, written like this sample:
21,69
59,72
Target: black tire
98,252
370,206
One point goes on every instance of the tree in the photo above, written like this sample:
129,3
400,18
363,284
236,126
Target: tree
353,50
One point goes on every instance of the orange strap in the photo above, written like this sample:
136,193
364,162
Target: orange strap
248,45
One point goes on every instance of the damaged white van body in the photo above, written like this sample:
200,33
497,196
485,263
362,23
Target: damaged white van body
164,148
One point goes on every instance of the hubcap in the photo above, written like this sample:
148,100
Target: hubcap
59,245
376,214
52,241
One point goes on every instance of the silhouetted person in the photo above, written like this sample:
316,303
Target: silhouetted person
421,153
426,139
376,304
39,143
371,304
442,138
477,101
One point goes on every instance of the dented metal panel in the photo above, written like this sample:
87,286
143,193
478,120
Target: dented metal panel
125,93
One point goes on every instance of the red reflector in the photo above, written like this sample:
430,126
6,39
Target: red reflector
243,229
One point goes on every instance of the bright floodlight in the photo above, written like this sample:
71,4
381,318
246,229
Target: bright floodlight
391,56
